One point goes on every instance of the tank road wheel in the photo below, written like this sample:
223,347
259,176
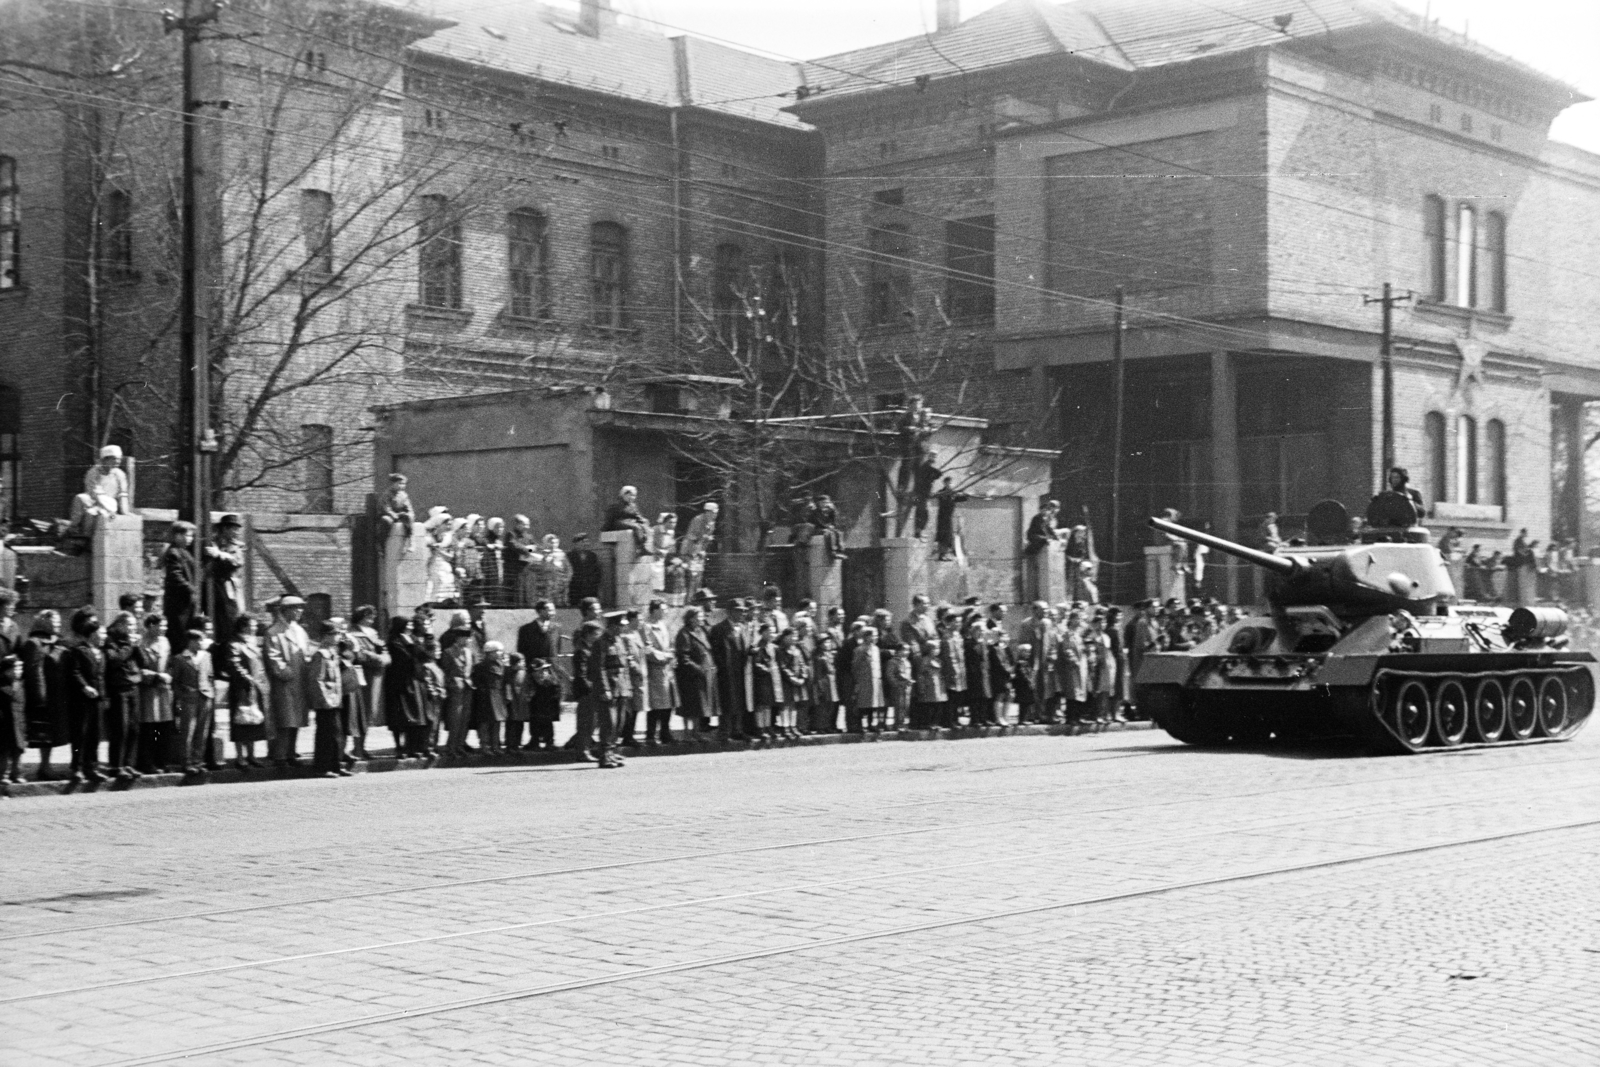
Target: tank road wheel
1522,708
1450,715
1413,714
1580,697
1489,710
1552,705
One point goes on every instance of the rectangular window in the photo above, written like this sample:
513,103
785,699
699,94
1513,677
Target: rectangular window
892,197
527,255
10,225
1466,257
889,283
317,456
969,259
1494,254
608,275
1433,226
440,254
729,290
316,227
10,453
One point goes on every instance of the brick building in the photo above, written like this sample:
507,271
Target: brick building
397,207
494,199
1245,171
451,205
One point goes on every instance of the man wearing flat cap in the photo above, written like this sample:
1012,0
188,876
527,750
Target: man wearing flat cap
287,647
224,564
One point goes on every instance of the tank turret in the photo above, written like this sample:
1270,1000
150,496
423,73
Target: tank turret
1350,580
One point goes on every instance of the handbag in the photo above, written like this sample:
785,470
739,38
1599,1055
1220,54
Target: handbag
248,715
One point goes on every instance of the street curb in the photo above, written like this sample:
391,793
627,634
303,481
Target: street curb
381,764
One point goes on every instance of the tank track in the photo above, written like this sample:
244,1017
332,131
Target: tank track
1403,711
1420,711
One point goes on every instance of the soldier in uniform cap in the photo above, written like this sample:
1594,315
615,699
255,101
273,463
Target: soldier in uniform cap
611,686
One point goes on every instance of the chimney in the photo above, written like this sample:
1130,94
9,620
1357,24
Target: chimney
949,14
592,14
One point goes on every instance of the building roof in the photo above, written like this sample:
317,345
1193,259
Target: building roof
1126,35
544,41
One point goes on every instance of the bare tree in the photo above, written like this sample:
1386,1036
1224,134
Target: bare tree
318,204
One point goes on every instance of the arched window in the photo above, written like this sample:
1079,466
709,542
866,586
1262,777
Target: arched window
1494,256
1467,459
1433,225
528,263
1466,257
608,275
1494,461
10,225
440,254
1433,431
889,287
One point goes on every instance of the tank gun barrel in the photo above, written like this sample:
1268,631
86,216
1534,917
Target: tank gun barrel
1266,560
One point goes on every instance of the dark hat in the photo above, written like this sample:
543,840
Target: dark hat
481,602
704,595
397,477
229,520
579,537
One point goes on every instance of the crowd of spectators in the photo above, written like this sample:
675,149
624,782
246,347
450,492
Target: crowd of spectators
125,701
475,558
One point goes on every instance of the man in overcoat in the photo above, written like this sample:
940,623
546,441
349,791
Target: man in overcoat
730,650
920,633
661,686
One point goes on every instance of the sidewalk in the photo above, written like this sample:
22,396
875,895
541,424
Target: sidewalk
382,761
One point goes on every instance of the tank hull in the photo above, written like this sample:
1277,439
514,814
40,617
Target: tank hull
1394,702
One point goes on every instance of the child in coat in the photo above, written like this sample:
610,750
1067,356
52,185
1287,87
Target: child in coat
796,674
767,680
825,685
518,708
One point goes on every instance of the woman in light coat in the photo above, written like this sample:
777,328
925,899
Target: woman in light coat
156,733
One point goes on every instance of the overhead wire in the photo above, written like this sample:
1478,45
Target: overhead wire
1343,287
874,256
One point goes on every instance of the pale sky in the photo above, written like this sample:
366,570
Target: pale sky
1560,37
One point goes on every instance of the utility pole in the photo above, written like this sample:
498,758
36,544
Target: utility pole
199,442
1386,351
1118,328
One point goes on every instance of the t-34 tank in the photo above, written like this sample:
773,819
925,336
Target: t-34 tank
1367,641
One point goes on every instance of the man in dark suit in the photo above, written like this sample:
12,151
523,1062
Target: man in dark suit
180,585
539,643
730,650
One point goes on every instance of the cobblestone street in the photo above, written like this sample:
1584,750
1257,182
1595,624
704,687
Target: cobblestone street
1113,899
